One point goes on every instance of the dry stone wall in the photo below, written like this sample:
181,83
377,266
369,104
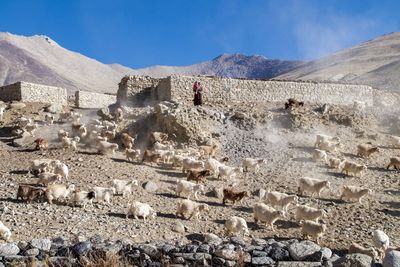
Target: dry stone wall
226,89
31,92
84,99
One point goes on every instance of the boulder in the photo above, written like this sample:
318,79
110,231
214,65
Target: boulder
301,250
150,186
8,249
392,259
353,260
42,244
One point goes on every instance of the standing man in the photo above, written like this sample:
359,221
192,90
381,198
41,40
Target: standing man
197,93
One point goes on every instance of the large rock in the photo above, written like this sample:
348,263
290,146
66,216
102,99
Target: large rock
353,260
301,250
264,261
42,244
8,249
150,186
298,264
81,248
23,141
226,254
392,259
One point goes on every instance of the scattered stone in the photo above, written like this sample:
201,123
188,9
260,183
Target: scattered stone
42,244
8,249
33,252
301,250
226,254
178,227
392,259
81,248
279,253
17,105
23,141
150,186
262,261
353,260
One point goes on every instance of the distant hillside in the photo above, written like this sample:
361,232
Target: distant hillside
40,59
234,66
375,62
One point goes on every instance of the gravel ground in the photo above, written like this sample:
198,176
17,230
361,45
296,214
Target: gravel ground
288,158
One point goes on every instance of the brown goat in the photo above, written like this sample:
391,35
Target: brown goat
198,176
36,194
365,150
41,144
158,137
293,103
234,196
150,156
208,150
127,140
24,191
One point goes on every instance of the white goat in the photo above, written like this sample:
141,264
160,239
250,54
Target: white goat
312,186
189,209
357,248
132,154
236,225
354,193
1,113
381,241
253,164
5,232
334,163
190,164
266,214
139,209
82,198
213,165
304,212
324,138
320,155
105,147
328,146
189,188
124,187
352,167
103,193
62,134
166,155
57,191
280,200
229,172
312,229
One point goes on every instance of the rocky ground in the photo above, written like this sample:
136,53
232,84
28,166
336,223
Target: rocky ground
285,139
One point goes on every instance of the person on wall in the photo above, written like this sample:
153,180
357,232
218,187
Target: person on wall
197,93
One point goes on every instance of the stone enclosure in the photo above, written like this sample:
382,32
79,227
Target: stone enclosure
143,89
31,92
84,99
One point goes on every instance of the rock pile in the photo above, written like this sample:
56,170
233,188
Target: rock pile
213,251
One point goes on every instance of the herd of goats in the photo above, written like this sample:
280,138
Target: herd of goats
198,163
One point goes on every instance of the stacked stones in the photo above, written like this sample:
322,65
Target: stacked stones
233,251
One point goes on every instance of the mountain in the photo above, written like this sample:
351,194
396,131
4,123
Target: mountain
234,66
375,62
39,59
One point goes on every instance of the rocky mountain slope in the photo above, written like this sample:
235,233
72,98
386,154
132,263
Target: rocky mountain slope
375,62
40,59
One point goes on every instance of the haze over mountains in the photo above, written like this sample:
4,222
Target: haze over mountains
40,59
375,62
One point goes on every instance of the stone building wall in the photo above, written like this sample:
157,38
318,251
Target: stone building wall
222,89
31,92
84,99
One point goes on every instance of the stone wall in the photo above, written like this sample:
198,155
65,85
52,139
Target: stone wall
84,99
136,90
31,92
216,89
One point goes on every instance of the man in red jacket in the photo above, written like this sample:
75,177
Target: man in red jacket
197,93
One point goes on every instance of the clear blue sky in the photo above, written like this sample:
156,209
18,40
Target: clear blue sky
182,32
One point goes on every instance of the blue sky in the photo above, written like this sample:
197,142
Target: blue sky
183,32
